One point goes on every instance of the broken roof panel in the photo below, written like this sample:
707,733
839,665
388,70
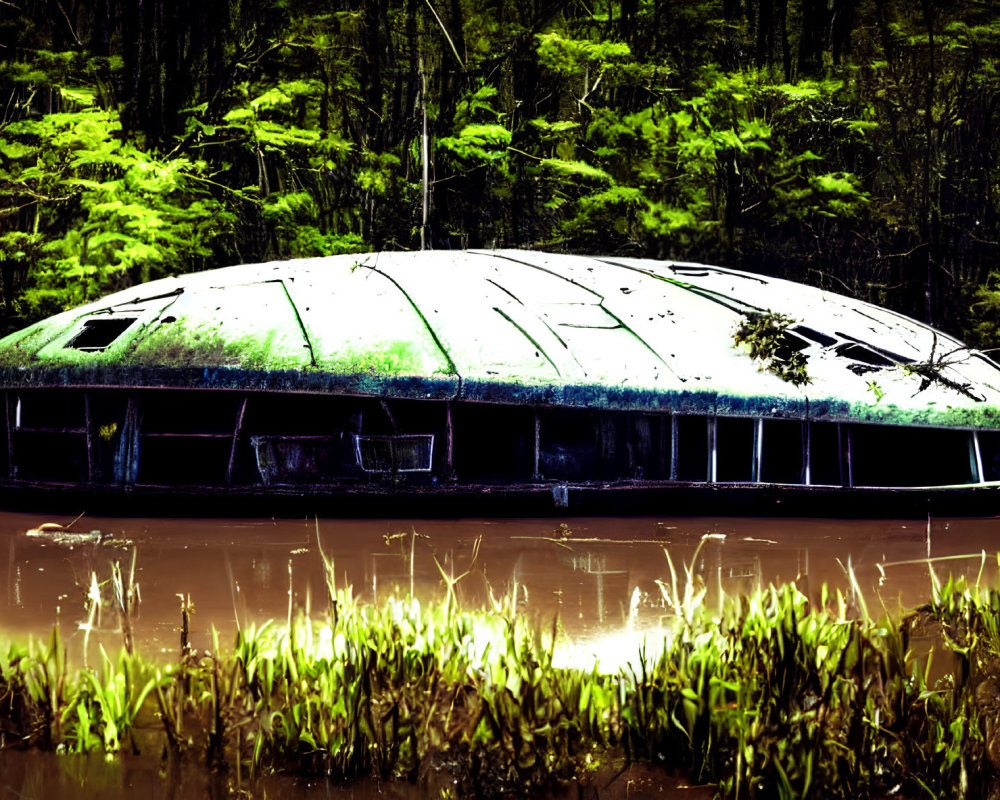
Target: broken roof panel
513,327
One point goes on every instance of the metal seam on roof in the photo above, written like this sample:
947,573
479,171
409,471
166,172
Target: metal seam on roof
624,326
298,318
601,303
430,329
611,359
530,338
727,302
553,273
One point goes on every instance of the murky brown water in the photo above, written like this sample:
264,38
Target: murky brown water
34,776
600,576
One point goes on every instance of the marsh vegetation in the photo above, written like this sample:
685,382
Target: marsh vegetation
770,694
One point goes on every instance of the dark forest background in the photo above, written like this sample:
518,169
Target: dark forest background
850,144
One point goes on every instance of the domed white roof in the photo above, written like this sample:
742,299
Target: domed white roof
511,326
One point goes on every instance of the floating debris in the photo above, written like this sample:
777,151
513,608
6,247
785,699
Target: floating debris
61,534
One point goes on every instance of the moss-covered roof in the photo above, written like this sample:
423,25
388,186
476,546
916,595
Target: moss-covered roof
510,327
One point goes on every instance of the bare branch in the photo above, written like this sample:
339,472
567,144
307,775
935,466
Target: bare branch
69,24
909,252
447,36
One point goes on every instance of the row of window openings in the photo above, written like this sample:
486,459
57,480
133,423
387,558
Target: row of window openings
376,454
770,451
757,450
739,450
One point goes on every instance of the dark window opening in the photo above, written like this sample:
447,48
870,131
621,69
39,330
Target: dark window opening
902,456
989,451
692,448
50,457
184,461
781,451
189,412
826,466
650,446
869,353
493,443
734,448
691,272
813,334
50,409
857,352
790,343
302,415
573,444
578,444
299,459
306,439
406,417
108,413
407,453
97,334
614,446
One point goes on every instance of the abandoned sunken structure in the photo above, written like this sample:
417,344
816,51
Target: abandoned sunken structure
494,382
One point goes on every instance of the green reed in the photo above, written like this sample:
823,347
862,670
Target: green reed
778,698
766,695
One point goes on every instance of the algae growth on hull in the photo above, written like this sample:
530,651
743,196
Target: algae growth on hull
515,327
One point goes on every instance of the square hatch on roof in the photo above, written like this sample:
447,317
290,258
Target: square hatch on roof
98,333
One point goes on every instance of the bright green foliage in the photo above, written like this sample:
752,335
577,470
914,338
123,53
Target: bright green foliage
478,143
134,217
848,144
103,713
765,338
571,57
782,700
575,170
295,218
985,330
690,172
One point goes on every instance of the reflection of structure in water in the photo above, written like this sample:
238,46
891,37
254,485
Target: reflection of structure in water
617,583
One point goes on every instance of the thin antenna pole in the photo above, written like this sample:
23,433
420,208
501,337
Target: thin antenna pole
425,157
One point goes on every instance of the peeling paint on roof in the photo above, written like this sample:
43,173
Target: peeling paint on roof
510,327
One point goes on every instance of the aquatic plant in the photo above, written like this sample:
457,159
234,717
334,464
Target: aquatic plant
105,706
767,695
33,693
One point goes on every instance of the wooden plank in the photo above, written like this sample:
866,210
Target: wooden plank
236,437
11,468
74,431
449,444
154,435
674,438
89,430
536,475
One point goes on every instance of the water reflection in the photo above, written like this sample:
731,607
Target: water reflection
603,579
46,776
